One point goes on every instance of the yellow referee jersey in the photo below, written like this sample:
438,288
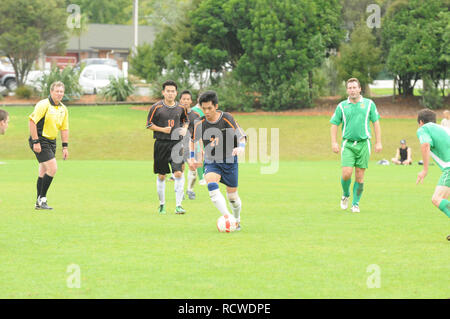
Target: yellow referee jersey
50,118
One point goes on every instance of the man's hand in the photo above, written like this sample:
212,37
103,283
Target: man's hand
65,153
37,147
335,147
378,147
421,176
167,129
237,151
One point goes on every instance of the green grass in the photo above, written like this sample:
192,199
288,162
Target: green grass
389,91
118,133
295,242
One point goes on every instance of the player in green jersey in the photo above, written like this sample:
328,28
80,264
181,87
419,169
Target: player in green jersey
435,141
355,114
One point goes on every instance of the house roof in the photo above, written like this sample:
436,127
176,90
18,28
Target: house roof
109,37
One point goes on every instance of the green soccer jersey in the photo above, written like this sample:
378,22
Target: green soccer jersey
355,118
198,110
439,139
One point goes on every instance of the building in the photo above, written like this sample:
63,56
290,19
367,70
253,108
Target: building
104,41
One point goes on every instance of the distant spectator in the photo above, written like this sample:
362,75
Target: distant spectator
446,121
403,155
4,120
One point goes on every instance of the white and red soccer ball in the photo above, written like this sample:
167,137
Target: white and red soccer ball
226,224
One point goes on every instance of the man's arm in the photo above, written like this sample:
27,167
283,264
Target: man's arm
157,128
334,143
425,148
65,141
377,128
34,136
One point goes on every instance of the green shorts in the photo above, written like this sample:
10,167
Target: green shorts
445,178
355,154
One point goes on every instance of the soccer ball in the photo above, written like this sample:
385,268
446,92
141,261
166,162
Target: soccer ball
226,224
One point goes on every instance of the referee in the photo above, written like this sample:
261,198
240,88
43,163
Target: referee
49,117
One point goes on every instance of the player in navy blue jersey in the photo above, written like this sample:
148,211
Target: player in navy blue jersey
222,141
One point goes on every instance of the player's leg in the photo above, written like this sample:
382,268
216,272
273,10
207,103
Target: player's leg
192,177
179,189
161,155
396,161
442,193
235,203
347,164
212,178
362,151
49,168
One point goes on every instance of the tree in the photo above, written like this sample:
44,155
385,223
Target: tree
105,11
413,37
24,33
360,58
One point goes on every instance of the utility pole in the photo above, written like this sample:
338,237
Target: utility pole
135,24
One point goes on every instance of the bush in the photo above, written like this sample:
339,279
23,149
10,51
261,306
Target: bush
288,95
24,92
68,76
431,95
233,95
118,89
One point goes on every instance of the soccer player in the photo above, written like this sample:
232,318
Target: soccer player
223,140
186,101
200,169
355,114
435,141
168,121
49,117
4,120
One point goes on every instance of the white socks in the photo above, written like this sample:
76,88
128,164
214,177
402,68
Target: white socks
179,189
192,176
219,201
161,189
236,205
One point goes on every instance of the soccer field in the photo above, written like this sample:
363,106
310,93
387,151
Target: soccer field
295,241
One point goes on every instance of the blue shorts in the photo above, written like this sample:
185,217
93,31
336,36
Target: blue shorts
228,172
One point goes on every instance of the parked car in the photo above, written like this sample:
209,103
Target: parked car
95,77
7,75
91,61
34,79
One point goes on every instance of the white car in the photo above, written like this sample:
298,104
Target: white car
95,77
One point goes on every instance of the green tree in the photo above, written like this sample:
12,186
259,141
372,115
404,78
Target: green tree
105,11
413,37
360,57
24,33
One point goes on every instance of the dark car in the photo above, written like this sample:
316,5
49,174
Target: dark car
7,75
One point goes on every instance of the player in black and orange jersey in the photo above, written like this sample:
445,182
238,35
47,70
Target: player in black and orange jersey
49,117
168,121
223,140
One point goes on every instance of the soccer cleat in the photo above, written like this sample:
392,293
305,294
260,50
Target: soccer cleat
172,178
344,202
191,194
37,206
238,226
162,209
202,182
179,210
448,237
42,201
355,209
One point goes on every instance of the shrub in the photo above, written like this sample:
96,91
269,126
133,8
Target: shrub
431,96
24,92
118,89
68,76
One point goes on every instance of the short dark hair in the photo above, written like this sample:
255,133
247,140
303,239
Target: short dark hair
186,92
426,116
208,96
169,83
3,115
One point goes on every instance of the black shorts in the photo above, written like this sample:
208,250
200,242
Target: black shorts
48,149
162,157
